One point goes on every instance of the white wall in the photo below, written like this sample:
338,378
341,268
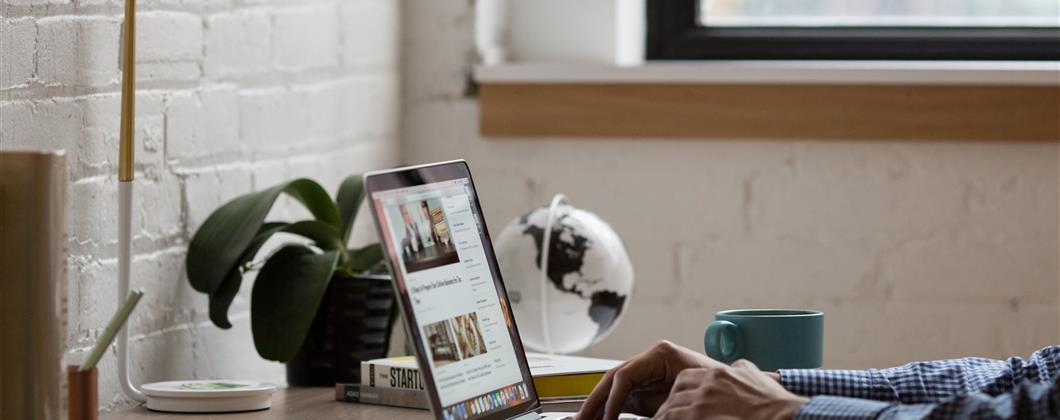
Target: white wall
233,96
913,249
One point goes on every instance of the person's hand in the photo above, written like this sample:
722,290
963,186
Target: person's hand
640,385
740,391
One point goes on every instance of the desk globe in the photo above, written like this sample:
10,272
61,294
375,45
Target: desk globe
584,292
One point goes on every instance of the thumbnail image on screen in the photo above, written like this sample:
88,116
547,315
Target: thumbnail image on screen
455,339
469,335
440,338
423,235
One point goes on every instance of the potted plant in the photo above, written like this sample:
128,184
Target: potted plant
315,304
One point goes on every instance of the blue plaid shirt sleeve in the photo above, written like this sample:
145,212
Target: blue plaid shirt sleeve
964,388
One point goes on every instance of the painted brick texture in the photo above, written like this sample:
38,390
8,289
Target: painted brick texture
233,96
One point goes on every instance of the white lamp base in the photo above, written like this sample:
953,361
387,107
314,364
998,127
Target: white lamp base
209,396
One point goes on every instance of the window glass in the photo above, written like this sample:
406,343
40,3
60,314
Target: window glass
921,13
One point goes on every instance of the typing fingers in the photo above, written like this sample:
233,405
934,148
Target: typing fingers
678,399
659,365
623,382
680,413
592,408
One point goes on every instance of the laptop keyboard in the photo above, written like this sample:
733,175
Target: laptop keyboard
564,416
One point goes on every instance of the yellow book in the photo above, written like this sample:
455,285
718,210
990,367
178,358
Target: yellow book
566,385
566,376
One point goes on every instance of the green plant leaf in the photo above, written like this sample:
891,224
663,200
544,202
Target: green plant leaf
224,237
264,233
316,200
325,236
366,258
349,198
285,299
322,234
227,233
222,298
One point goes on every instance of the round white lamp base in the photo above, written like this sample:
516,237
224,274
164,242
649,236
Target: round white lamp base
209,396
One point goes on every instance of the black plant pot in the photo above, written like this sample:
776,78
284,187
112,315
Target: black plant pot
353,324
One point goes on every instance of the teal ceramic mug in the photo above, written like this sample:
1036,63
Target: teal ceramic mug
770,338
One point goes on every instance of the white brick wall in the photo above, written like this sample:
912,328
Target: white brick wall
232,96
61,45
238,43
306,37
914,250
19,36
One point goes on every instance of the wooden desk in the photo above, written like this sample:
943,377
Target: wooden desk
293,403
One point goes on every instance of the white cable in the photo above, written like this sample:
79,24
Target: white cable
125,194
545,248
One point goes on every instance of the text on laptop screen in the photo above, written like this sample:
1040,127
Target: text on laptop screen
436,231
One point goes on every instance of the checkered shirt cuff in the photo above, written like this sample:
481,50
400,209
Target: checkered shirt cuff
866,384
840,408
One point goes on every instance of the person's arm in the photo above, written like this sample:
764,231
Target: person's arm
926,382
1029,399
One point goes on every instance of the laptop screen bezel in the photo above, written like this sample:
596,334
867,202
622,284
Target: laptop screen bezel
429,174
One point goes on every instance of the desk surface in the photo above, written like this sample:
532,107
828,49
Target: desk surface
293,403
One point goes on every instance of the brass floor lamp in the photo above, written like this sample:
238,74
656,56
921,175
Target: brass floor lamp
187,396
125,188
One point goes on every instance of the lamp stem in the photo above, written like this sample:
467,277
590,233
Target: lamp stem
126,169
125,195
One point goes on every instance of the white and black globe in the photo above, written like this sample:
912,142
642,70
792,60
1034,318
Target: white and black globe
588,281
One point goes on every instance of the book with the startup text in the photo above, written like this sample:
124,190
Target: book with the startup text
554,375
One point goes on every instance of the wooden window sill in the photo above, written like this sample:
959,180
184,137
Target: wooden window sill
984,101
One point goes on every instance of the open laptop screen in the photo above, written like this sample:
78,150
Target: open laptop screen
446,275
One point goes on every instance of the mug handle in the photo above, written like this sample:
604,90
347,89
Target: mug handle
712,341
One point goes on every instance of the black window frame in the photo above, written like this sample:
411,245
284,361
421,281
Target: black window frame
674,33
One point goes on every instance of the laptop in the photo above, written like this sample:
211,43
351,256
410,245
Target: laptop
449,289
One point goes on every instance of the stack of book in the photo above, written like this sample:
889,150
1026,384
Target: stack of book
562,382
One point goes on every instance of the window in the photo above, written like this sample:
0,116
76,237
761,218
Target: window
854,29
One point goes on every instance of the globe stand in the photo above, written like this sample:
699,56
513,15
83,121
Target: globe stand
546,243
